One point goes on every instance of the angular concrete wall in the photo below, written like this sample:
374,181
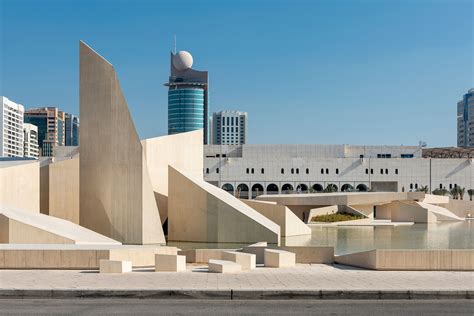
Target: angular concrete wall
183,151
290,225
20,227
201,212
20,185
116,197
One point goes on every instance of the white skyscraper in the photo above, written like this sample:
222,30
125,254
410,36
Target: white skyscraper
11,129
229,128
31,148
465,120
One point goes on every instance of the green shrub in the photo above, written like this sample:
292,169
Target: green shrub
336,217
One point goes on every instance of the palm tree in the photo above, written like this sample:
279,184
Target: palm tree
440,192
330,188
423,189
461,192
471,193
454,193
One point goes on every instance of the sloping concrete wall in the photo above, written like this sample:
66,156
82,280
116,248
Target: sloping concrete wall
20,185
290,225
201,212
441,213
183,151
35,228
460,207
116,197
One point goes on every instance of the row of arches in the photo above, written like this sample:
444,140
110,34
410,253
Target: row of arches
243,191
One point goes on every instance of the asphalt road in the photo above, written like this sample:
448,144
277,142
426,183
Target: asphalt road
227,307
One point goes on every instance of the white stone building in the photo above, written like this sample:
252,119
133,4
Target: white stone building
229,128
11,129
31,148
267,169
465,120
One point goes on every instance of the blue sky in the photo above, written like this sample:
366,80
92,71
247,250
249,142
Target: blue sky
325,72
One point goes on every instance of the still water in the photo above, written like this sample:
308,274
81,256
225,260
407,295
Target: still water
446,235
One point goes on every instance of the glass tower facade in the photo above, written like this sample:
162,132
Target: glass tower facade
185,109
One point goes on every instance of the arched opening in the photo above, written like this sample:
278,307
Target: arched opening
287,188
317,187
347,188
257,189
229,188
331,187
303,188
272,188
242,191
362,188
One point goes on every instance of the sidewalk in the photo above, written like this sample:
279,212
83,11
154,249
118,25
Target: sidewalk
304,280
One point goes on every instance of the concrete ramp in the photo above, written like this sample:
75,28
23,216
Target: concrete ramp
441,213
201,212
20,227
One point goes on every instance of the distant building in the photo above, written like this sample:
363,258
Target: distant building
72,130
465,119
51,128
188,96
11,129
30,148
229,128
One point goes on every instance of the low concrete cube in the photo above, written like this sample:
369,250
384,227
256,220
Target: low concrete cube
223,266
115,266
170,263
246,260
279,258
258,250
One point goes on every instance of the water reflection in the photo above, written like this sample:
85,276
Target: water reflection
348,239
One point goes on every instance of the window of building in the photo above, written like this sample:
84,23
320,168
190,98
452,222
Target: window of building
396,171
386,171
327,171
207,170
371,171
366,171
440,186
307,171
263,171
411,185
322,171
416,185
337,171
217,170
282,171
407,155
297,171
247,170
253,171
292,170
381,171
450,186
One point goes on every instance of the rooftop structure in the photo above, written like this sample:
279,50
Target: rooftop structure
229,128
11,128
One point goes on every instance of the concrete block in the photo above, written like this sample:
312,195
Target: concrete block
223,266
170,263
115,266
279,258
258,249
246,260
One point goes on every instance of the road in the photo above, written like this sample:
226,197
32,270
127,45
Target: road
227,307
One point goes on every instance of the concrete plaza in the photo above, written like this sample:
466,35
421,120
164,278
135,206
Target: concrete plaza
303,277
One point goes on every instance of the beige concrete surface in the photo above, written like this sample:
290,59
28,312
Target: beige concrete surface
412,259
64,189
435,199
116,195
183,151
290,224
56,256
170,263
279,258
246,260
258,249
301,277
460,208
440,213
20,185
311,254
201,212
223,266
115,266
203,255
36,228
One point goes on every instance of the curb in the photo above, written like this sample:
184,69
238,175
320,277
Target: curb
236,294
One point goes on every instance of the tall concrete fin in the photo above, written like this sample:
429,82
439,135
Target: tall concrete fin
201,212
114,183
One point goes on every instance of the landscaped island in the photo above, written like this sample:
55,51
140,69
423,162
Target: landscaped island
335,217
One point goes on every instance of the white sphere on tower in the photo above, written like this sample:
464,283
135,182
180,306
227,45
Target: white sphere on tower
182,60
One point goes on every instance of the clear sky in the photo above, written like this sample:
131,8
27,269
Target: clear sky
324,72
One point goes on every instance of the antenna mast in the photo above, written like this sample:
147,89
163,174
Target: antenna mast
174,48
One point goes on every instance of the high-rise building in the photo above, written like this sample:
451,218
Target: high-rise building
72,130
11,129
466,120
188,96
51,128
30,148
229,128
